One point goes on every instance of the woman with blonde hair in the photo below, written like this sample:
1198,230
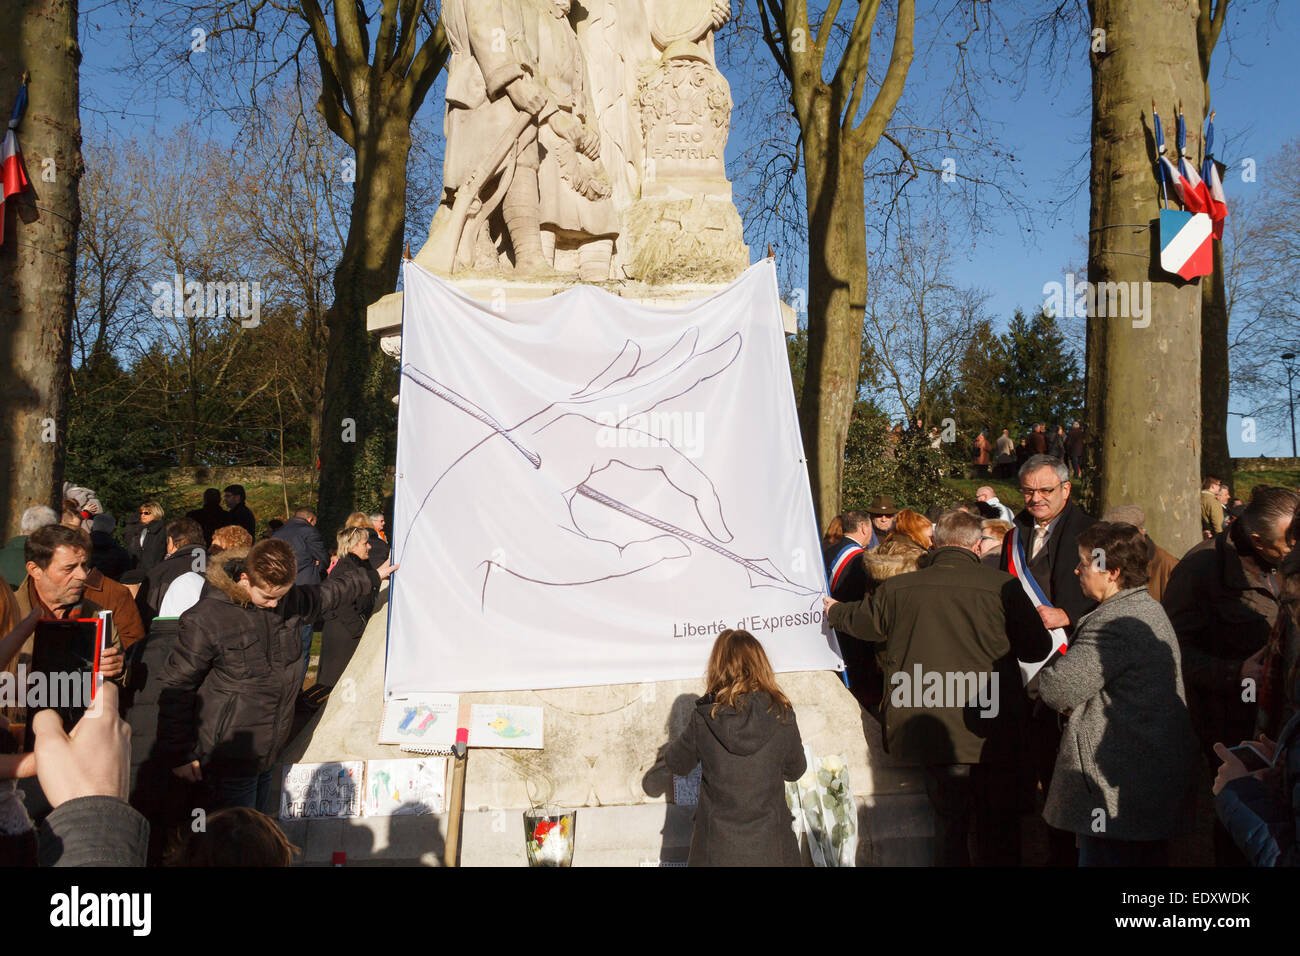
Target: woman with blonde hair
743,734
344,625
145,537
379,549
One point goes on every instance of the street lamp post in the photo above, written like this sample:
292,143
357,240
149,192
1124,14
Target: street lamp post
1288,358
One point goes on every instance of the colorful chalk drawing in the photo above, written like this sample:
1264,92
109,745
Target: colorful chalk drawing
504,725
424,721
416,720
410,787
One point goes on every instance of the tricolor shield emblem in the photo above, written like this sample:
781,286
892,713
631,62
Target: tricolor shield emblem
1186,243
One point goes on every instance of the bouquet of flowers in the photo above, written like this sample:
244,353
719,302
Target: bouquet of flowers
823,808
548,836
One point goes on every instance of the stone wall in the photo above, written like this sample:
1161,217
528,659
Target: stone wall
1266,464
221,475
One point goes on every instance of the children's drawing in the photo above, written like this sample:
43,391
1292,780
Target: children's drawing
315,791
405,787
504,725
423,720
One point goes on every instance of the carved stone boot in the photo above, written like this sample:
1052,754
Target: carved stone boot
520,210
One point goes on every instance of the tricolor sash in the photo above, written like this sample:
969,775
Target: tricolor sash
1018,566
847,553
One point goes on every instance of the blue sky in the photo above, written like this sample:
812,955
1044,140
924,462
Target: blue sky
1044,122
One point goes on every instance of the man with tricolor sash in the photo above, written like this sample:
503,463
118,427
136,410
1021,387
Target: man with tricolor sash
1040,552
847,580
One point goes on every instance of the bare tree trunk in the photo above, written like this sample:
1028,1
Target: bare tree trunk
1216,459
284,481
367,271
38,258
1144,389
837,286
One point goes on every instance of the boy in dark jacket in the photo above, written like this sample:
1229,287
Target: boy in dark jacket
229,686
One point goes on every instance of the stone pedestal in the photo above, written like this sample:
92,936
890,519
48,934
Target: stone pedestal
601,757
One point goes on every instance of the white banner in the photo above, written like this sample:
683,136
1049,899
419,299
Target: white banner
589,490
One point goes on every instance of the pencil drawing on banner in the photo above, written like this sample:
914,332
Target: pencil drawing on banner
589,489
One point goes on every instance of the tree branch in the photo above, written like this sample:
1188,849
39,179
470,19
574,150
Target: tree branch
332,103
853,62
406,42
866,134
771,40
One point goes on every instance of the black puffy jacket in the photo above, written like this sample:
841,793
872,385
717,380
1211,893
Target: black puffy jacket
230,682
145,553
149,598
350,617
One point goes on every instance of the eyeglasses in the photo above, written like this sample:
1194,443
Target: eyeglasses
1045,492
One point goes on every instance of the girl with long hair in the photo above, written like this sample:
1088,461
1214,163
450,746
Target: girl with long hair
743,734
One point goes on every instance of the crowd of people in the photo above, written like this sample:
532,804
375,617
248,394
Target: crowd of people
206,664
1064,666
1003,456
1140,666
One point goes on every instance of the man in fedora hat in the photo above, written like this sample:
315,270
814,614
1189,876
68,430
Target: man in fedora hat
882,511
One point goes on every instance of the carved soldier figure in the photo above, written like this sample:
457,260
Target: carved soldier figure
511,57
576,208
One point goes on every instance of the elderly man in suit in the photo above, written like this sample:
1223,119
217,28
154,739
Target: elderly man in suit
1045,544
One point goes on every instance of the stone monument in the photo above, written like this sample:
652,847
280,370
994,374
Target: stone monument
586,144
589,147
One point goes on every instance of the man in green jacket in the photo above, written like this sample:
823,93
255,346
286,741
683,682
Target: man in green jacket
954,703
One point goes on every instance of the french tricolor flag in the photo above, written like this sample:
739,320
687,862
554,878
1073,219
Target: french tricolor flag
13,179
1214,185
1191,189
1218,201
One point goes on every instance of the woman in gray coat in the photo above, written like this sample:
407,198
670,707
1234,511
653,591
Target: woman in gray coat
1126,768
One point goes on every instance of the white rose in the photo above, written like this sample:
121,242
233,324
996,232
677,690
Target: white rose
833,763
809,779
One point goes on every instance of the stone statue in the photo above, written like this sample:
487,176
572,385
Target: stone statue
588,141
684,29
685,225
521,135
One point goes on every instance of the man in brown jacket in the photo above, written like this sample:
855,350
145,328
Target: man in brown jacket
1038,440
117,598
1211,507
1160,563
55,588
